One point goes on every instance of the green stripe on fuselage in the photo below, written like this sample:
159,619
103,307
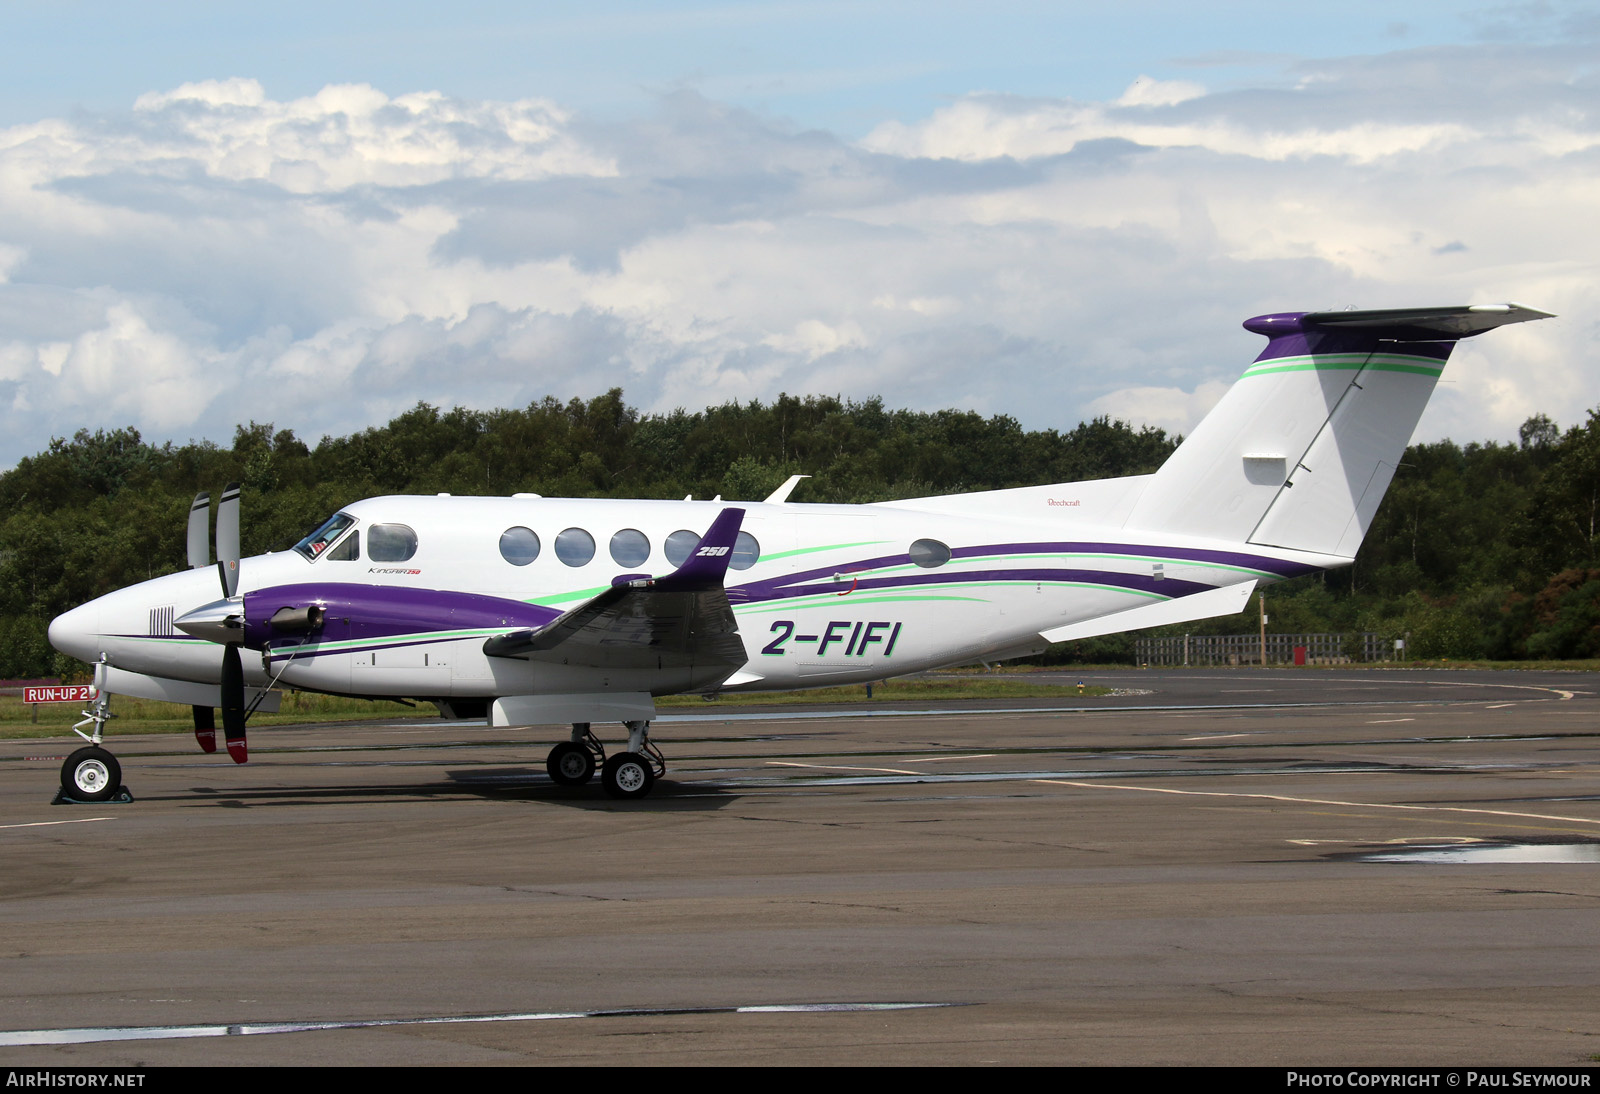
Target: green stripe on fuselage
871,596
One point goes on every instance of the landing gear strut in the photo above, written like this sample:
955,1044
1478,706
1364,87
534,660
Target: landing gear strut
92,774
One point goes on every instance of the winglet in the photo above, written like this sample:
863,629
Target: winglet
707,564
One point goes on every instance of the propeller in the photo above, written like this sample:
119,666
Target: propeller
222,622
199,518
233,703
205,720
232,666
228,539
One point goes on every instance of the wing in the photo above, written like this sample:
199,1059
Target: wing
672,622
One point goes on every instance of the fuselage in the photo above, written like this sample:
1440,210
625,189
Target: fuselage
823,594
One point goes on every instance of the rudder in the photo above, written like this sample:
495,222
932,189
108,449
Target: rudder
1301,449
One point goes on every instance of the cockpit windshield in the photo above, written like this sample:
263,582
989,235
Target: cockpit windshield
317,542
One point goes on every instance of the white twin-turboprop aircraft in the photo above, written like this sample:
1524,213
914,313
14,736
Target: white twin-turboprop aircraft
533,611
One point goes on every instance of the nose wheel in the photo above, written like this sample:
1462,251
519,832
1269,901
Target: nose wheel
91,775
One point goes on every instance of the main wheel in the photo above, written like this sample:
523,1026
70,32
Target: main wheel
570,764
91,775
627,775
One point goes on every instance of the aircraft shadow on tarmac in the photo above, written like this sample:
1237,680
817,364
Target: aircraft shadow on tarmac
498,784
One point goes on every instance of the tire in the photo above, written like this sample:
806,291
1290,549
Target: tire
570,764
627,775
91,775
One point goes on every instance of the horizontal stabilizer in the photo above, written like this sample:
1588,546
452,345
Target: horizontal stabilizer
1208,605
1426,324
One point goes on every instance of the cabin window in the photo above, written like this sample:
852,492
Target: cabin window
390,543
746,552
349,548
930,553
679,546
575,547
519,546
328,531
630,547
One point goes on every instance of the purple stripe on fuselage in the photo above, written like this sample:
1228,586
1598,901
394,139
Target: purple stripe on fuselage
374,612
1170,587
1190,554
281,649
780,587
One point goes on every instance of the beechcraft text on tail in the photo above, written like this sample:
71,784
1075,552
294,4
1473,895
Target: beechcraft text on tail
539,611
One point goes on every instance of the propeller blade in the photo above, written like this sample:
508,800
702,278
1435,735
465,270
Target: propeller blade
233,703
199,542
228,539
205,728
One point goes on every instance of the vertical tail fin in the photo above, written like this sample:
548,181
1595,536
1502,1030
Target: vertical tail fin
1301,449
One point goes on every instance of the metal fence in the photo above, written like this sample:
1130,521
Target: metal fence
1245,649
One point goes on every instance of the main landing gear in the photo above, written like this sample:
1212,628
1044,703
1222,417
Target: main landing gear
629,774
92,774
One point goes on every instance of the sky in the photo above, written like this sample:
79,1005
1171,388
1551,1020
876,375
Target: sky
318,216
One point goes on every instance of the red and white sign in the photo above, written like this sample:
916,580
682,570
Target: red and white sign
67,693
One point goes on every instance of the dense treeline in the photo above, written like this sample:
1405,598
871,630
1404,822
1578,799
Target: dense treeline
1487,550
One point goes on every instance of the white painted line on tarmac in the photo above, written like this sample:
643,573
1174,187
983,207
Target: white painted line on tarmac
46,824
20,1037
843,767
954,756
1320,801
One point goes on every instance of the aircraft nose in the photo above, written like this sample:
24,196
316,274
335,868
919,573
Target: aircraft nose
76,633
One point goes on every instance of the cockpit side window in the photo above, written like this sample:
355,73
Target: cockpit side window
349,548
320,540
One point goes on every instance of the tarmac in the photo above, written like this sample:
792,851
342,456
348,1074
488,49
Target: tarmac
1224,866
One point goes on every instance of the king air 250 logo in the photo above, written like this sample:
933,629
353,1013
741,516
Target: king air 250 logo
856,638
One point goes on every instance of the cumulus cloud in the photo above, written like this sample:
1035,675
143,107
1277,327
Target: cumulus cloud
215,255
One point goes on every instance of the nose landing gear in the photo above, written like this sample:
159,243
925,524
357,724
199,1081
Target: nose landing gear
92,775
